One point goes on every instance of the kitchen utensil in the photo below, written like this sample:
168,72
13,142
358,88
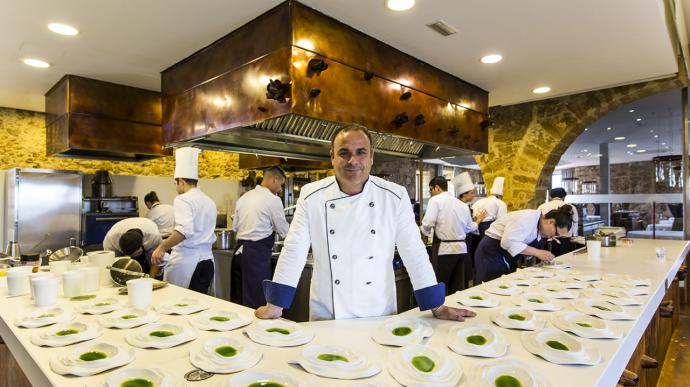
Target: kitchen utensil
225,239
608,240
71,254
125,269
12,249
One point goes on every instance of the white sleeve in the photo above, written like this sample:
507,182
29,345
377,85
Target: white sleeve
430,216
293,256
410,246
280,224
109,243
513,237
470,225
576,221
502,209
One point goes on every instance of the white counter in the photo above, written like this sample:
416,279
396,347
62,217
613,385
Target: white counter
637,260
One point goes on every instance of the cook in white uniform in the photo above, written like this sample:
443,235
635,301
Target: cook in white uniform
466,191
259,214
518,233
191,262
493,205
449,220
136,238
557,196
353,222
161,214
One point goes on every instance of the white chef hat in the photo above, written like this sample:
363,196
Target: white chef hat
462,183
187,163
497,187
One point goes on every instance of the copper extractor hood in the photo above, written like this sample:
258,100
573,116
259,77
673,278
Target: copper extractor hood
283,83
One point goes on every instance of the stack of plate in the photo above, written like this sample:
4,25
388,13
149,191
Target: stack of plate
43,317
221,320
336,362
129,318
161,335
66,334
507,373
182,307
477,340
478,298
518,318
264,378
418,365
224,355
279,333
400,331
91,358
142,376
98,306
602,309
559,348
537,301
584,325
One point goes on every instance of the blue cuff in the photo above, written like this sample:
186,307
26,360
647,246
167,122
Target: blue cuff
431,296
278,294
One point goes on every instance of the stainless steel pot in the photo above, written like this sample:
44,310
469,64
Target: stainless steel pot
225,239
607,240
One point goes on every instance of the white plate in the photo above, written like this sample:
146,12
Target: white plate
502,288
182,307
157,376
208,355
568,283
623,287
478,298
536,272
245,379
615,296
401,331
129,318
465,340
268,332
602,309
521,280
587,277
221,320
142,337
555,290
486,375
69,362
574,351
584,325
98,306
442,368
505,318
42,317
537,301
556,265
66,334
355,366
626,279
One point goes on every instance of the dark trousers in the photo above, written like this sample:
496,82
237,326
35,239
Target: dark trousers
202,276
492,261
249,269
452,271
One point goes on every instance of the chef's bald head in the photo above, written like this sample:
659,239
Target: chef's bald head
351,128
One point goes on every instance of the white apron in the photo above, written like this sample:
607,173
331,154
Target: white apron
182,264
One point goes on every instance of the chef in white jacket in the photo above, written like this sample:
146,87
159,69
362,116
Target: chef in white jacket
162,214
557,196
191,261
353,222
136,238
492,205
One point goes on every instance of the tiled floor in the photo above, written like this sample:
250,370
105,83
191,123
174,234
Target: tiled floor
676,369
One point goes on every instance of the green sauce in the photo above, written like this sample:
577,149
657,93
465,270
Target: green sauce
538,301
552,290
476,298
584,325
181,305
102,304
503,286
331,357
611,295
402,331
507,381
91,356
46,315
557,345
516,316
83,297
219,318
137,383
278,330
129,316
266,384
601,308
226,351
476,339
161,333
66,332
423,363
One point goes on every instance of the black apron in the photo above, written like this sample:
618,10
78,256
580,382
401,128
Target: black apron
249,269
493,261
450,268
472,244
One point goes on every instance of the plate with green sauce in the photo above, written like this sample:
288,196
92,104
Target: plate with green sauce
182,307
555,290
264,379
559,347
279,333
605,310
614,296
65,334
478,340
141,377
222,355
221,320
518,318
502,288
584,325
161,335
537,301
418,365
331,361
43,317
402,331
128,318
478,298
91,358
506,373
98,306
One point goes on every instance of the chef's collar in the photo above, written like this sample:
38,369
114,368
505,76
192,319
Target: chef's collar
155,204
364,188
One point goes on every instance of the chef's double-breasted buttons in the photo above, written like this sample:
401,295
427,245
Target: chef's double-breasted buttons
373,231
332,205
371,257
331,231
368,282
337,282
334,256
371,204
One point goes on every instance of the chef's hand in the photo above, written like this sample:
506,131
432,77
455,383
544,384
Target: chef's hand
449,313
545,255
479,217
157,256
268,312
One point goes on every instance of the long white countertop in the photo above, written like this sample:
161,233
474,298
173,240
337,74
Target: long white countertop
637,260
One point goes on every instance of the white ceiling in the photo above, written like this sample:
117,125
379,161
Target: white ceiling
571,46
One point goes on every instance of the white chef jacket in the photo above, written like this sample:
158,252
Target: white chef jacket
353,239
556,203
152,237
450,219
493,206
516,230
163,215
258,213
195,218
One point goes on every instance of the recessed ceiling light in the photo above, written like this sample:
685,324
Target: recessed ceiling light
631,145
399,5
599,155
639,119
656,136
609,128
63,29
36,63
651,130
631,111
663,143
619,138
585,151
586,129
493,58
640,151
541,90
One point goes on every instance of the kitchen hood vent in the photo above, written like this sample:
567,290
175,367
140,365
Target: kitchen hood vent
282,84
442,28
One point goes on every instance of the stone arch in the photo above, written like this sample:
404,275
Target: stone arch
527,140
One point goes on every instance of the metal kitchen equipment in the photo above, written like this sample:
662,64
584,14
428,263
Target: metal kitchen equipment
70,253
101,185
12,249
125,269
225,239
100,214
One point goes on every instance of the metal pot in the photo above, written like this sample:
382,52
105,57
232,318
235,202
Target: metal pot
125,269
608,240
225,239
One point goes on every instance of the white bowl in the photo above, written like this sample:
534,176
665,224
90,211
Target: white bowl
128,318
182,307
145,337
268,332
559,348
400,331
504,318
221,320
158,377
467,340
502,288
602,309
245,379
486,375
336,362
66,334
98,306
478,298
208,355
72,363
537,301
43,317
419,365
584,325
555,290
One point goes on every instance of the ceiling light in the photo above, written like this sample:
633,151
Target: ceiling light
541,90
619,138
36,63
631,145
399,5
307,44
663,143
656,136
585,151
493,58
651,130
599,155
609,128
63,29
631,111
586,129
640,151
639,119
